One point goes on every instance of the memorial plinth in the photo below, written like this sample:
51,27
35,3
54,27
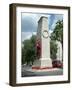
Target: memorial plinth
43,46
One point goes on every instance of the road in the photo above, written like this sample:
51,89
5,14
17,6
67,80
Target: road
28,72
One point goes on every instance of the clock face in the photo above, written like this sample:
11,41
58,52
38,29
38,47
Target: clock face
45,34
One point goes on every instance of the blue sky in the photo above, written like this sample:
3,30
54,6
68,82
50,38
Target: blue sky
29,23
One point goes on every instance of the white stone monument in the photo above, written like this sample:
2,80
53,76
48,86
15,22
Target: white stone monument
59,51
44,62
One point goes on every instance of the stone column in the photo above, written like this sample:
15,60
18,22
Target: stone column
44,62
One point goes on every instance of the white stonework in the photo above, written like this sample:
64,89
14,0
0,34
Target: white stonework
59,51
43,36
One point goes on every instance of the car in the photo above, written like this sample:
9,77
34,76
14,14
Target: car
57,64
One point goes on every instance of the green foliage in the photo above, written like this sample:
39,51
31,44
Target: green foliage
58,32
56,35
53,49
29,50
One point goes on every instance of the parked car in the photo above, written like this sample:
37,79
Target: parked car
57,64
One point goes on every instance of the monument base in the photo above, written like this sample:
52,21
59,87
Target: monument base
43,63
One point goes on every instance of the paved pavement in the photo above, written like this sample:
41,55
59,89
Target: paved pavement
27,71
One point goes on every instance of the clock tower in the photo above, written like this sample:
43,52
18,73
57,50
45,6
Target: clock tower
42,46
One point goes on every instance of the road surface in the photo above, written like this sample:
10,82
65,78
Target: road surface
28,72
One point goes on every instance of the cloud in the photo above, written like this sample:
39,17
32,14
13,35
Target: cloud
28,24
50,31
53,19
26,35
29,21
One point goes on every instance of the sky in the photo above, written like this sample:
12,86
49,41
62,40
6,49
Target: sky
29,23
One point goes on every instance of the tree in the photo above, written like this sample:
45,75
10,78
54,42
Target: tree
29,50
58,32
